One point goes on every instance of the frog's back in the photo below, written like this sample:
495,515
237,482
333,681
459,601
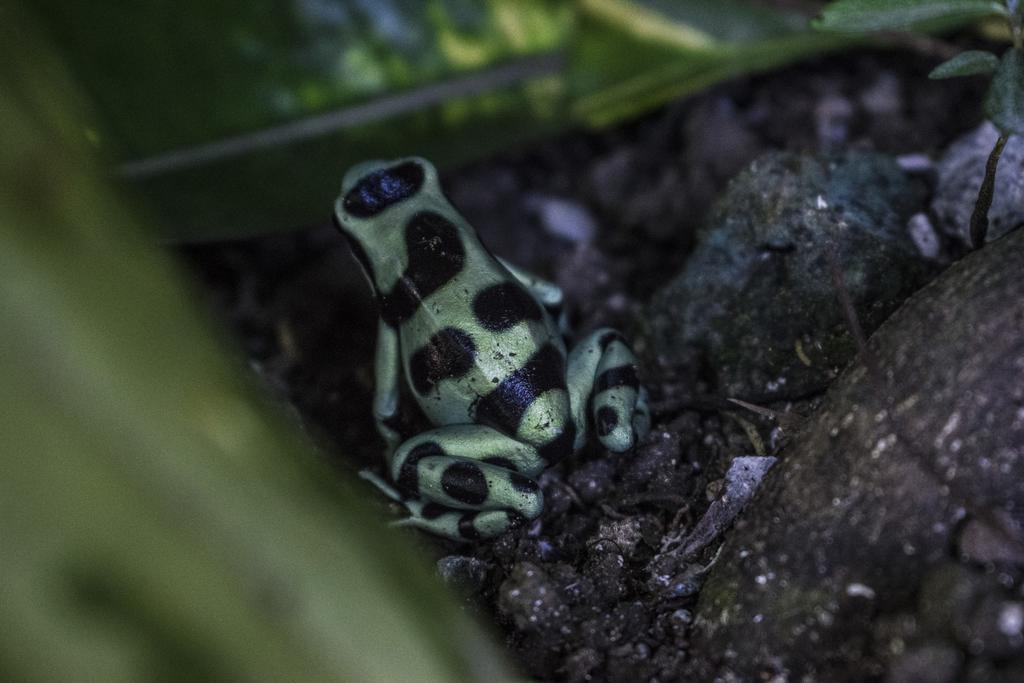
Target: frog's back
477,347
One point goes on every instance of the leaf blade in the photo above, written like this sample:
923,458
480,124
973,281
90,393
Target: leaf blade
158,514
865,16
739,38
968,63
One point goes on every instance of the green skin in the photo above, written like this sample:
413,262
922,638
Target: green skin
493,481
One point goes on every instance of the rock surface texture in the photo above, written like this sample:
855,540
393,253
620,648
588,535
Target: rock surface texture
907,453
758,296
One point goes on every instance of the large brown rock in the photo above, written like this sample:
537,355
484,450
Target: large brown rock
874,491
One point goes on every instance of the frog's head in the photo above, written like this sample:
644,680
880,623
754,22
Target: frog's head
370,189
377,202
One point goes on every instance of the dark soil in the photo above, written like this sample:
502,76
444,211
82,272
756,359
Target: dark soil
574,594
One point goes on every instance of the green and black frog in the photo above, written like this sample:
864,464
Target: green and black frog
479,344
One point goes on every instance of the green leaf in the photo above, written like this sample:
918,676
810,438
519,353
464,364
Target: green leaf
172,75
862,16
1004,102
632,55
969,63
239,117
159,520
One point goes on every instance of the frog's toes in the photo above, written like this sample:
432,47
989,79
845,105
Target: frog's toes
615,429
458,525
641,415
383,486
622,417
616,402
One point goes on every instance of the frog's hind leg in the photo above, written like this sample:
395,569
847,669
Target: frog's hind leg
604,391
467,481
458,525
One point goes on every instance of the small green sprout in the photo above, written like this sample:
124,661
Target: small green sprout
1004,102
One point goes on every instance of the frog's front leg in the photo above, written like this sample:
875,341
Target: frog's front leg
604,391
467,481
388,375
548,294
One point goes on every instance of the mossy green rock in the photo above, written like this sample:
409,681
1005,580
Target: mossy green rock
875,490
758,294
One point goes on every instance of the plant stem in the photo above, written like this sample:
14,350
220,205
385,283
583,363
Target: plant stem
1014,16
979,217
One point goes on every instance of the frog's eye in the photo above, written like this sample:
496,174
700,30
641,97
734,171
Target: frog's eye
378,190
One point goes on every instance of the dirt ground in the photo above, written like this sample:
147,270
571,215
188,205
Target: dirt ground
610,216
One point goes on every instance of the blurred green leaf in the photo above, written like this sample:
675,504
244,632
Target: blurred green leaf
240,116
631,55
172,75
157,520
968,63
280,184
1004,103
235,118
861,16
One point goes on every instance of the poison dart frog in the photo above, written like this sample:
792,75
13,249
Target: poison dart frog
479,344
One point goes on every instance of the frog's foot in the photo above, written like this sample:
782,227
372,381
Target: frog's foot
604,391
468,476
458,525
642,414
383,486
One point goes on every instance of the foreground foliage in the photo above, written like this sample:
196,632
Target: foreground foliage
246,125
158,520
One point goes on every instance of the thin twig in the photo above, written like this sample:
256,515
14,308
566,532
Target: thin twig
846,303
787,421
